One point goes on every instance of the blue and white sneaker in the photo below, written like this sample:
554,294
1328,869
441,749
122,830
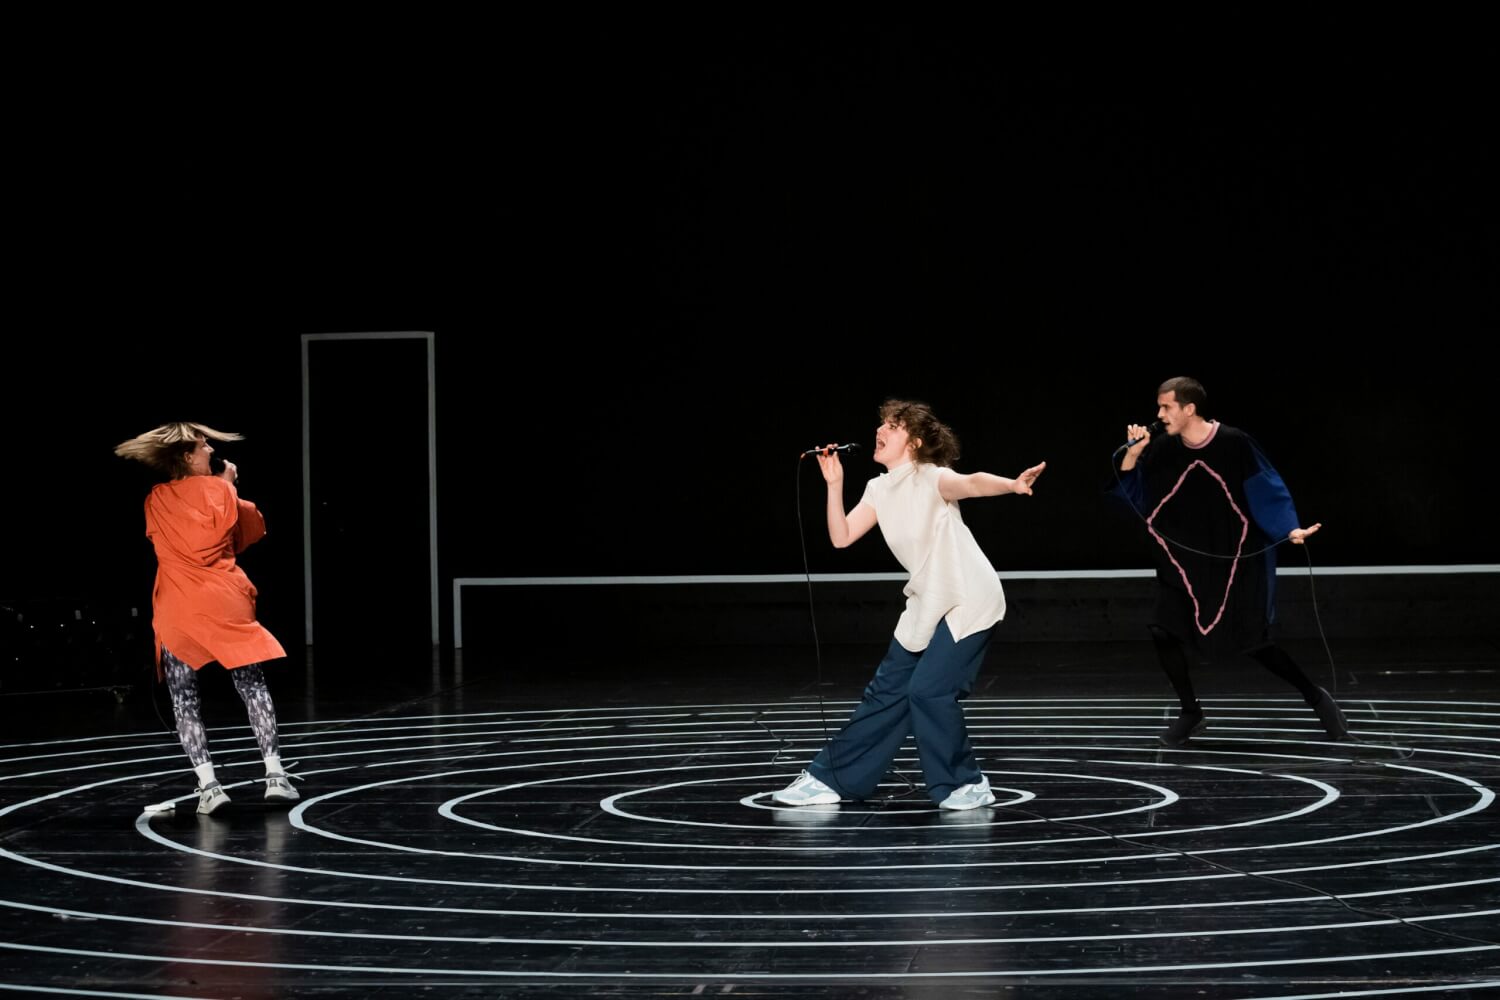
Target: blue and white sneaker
806,791
970,796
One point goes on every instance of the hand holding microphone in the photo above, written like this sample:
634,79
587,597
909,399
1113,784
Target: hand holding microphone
1137,436
828,461
829,448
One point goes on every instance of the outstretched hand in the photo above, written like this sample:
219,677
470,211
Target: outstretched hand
1299,535
1024,481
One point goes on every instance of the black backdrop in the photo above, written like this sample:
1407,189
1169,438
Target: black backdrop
656,273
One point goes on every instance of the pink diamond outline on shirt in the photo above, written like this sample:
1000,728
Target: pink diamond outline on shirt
1244,532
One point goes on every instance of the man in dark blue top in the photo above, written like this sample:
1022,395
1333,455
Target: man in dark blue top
1213,504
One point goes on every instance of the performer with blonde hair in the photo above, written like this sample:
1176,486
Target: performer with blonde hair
203,605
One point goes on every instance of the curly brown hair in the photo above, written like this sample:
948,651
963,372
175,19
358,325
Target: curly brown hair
935,442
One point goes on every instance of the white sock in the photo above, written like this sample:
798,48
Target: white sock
205,773
273,764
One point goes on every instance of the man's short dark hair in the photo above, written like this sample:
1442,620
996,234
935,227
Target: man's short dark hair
1185,390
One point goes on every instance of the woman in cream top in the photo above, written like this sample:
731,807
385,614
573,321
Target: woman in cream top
953,600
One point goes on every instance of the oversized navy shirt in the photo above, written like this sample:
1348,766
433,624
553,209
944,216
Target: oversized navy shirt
1225,498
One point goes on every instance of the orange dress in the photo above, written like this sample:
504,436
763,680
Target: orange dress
204,604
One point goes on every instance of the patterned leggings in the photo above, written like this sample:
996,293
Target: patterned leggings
249,681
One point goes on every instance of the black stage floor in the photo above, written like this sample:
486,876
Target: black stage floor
514,827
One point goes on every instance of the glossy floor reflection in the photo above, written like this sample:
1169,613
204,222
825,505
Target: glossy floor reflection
503,829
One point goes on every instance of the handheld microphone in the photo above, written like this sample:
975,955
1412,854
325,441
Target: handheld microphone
837,447
1153,430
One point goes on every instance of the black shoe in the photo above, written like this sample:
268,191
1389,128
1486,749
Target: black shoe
1188,725
1332,717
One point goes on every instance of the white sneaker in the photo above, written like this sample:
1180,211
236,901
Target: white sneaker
279,789
970,796
807,791
211,797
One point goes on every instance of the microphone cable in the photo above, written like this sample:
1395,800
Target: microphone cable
812,614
